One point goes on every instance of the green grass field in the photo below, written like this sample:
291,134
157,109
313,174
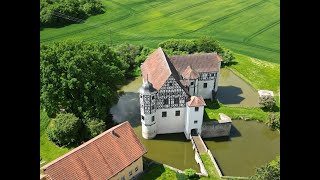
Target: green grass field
250,27
258,73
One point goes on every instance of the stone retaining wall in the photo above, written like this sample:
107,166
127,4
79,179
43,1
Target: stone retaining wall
215,129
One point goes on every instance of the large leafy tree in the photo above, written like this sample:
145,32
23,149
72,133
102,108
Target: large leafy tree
80,77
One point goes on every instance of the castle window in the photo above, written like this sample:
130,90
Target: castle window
196,109
170,84
164,114
191,83
152,98
136,168
140,96
130,173
195,122
152,107
142,117
177,113
176,100
152,119
205,85
212,74
166,101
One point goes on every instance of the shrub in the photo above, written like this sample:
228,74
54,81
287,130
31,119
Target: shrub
267,102
64,129
182,45
274,121
191,173
94,127
270,171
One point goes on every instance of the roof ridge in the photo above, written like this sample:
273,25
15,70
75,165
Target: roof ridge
82,145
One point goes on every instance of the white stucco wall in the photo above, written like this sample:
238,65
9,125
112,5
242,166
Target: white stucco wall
171,123
206,93
191,116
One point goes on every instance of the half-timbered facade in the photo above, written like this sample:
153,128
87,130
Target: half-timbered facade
173,91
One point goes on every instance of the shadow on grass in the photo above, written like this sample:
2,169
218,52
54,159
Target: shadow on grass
232,63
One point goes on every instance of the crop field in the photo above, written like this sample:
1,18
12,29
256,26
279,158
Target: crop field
249,27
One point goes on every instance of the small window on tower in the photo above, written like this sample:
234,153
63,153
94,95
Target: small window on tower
166,101
164,114
142,117
195,122
212,74
205,85
170,84
152,119
152,98
196,109
140,96
191,83
177,113
176,100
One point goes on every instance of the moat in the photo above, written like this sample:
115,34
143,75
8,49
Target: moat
250,145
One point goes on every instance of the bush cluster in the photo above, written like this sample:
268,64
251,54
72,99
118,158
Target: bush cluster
71,8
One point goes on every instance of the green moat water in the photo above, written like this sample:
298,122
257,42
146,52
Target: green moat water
251,144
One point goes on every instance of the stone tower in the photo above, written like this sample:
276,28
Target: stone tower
148,109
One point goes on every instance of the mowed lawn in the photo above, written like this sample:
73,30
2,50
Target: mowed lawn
48,150
260,74
250,27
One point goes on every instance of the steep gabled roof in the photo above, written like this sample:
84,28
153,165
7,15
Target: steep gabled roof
208,62
196,101
157,68
101,157
189,73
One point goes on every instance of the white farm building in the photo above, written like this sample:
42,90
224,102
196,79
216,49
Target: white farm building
173,92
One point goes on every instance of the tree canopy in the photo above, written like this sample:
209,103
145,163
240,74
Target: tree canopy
204,44
73,8
80,77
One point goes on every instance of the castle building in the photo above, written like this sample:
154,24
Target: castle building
173,92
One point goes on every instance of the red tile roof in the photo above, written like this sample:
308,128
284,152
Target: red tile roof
196,101
189,73
99,158
208,62
157,68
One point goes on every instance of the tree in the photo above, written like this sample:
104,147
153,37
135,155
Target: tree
267,102
127,53
94,127
227,56
145,51
72,8
81,78
270,171
64,129
208,44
